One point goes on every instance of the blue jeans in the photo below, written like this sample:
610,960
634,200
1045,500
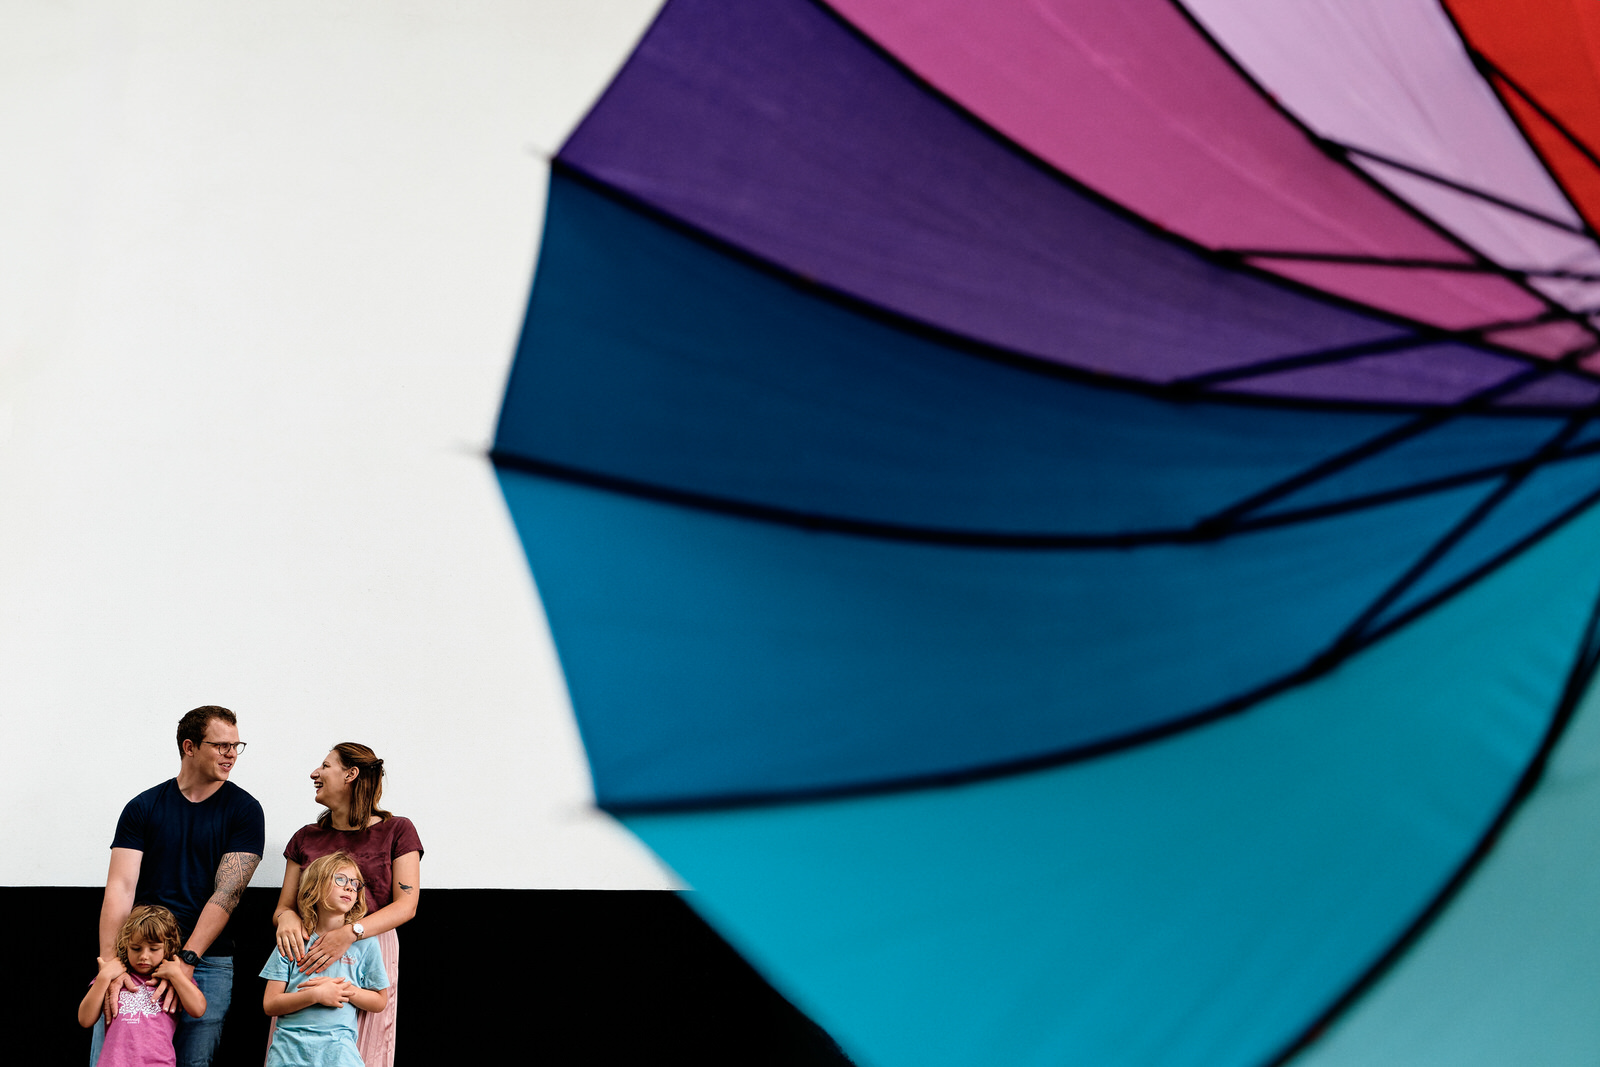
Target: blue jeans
196,1040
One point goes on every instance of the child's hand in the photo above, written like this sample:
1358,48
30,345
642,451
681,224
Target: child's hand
169,968
331,992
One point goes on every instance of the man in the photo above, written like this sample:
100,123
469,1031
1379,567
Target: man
191,845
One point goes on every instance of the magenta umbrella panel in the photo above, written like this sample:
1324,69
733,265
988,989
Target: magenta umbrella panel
1071,525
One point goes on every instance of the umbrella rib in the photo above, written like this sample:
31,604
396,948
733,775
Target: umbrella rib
1219,521
1440,596
1495,73
1579,677
1468,335
1458,186
999,539
1410,262
1409,490
1513,478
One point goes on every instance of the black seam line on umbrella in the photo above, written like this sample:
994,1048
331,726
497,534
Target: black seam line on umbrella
1472,335
999,539
1470,191
1318,666
1475,404
1055,174
1408,491
1326,468
1410,262
1491,74
1494,72
1579,678
1327,148
1177,390
1220,521
1445,593
1514,477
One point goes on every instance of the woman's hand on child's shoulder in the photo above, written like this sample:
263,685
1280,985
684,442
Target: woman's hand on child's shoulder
291,937
111,968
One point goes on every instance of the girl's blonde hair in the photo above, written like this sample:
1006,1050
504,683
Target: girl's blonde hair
314,883
152,924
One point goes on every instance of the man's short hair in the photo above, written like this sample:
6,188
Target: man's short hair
192,727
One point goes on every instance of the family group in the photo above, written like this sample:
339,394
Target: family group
181,857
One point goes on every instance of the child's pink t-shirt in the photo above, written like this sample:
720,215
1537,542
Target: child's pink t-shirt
141,1033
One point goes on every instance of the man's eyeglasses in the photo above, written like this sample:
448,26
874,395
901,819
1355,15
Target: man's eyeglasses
346,880
226,748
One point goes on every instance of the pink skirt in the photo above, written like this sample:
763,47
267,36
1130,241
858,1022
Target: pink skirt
375,1032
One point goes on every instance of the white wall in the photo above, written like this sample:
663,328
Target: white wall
262,266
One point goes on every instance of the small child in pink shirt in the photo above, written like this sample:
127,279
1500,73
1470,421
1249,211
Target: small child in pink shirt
140,1034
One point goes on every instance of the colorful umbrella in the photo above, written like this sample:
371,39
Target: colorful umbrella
1071,525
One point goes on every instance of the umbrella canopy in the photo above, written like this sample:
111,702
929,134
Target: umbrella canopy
1071,525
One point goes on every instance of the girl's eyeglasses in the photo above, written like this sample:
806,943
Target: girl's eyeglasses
346,880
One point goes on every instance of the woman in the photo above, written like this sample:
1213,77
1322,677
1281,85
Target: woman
349,783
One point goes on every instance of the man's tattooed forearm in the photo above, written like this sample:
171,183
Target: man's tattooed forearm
233,874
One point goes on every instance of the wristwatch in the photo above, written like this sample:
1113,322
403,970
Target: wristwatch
190,957
359,931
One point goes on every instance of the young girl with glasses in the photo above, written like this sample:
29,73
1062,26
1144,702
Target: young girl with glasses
316,1014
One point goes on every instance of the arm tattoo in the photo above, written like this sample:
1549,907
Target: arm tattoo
404,886
233,874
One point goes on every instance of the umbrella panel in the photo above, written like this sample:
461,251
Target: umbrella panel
1200,900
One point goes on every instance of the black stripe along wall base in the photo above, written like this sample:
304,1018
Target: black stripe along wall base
500,976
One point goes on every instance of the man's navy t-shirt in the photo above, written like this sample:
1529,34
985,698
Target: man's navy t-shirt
182,845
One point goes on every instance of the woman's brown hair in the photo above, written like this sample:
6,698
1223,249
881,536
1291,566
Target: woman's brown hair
365,791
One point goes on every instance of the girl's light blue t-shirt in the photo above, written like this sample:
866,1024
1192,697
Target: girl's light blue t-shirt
362,965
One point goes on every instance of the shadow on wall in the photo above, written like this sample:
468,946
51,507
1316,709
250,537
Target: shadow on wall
509,976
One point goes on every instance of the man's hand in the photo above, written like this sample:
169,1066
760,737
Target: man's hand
329,991
327,948
111,970
128,982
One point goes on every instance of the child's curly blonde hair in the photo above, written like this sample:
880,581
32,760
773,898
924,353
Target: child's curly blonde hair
153,924
314,883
